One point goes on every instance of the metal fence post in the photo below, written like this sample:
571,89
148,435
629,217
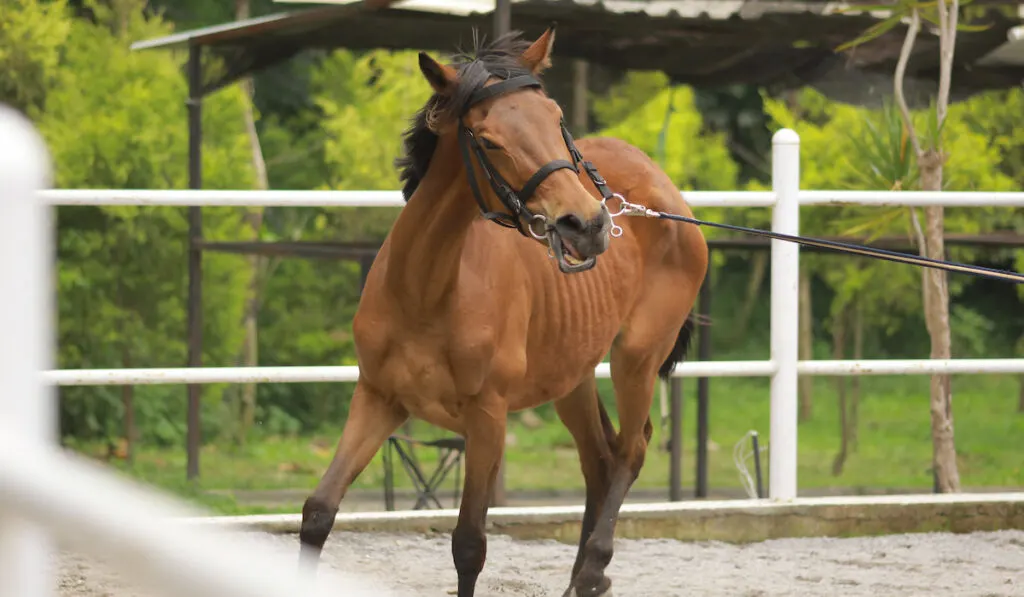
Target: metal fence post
26,343
785,314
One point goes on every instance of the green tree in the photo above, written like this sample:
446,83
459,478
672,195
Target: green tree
116,119
930,152
31,36
845,147
367,101
669,128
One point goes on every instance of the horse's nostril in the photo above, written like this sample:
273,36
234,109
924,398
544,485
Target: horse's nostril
570,222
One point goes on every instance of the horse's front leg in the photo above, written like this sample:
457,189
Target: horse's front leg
371,419
485,417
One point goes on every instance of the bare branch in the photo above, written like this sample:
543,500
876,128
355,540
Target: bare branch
901,71
922,243
948,17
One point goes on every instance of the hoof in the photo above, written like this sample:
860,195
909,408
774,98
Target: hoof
571,592
603,589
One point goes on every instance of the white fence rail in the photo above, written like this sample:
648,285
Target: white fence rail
46,495
782,366
350,373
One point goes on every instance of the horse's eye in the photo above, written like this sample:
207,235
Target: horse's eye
488,144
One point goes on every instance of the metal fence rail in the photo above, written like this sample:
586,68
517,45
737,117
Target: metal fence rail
350,373
782,367
209,198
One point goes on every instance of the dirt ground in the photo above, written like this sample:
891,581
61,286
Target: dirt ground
399,565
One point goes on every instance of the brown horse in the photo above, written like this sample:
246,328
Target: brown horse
462,321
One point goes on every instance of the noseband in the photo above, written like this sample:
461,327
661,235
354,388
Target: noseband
513,200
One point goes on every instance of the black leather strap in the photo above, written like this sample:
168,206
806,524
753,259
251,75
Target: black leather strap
539,176
499,88
515,201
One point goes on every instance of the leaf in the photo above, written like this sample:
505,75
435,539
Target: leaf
873,32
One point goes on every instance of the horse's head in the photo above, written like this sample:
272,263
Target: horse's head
517,152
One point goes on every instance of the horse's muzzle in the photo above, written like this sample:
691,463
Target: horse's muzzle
577,243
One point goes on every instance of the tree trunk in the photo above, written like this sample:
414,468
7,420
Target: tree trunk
580,90
806,345
754,282
935,294
858,353
838,343
128,401
127,391
250,343
254,217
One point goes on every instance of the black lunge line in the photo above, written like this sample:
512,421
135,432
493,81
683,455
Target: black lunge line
633,209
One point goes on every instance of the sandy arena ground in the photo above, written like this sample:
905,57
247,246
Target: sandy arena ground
932,565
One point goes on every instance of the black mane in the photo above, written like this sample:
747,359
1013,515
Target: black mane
499,58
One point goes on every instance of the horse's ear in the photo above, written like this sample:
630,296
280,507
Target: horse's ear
441,77
538,56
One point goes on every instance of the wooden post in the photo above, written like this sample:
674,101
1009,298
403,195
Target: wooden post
580,108
703,388
806,344
195,258
502,17
675,471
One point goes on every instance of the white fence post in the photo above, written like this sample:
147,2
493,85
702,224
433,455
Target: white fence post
26,343
784,315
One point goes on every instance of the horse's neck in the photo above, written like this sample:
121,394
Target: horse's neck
429,235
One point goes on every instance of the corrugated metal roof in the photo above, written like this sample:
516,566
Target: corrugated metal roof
697,42
657,9
1009,54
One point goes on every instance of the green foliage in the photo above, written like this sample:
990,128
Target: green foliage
306,319
624,98
738,112
115,119
894,452
367,102
844,147
669,128
996,117
899,10
32,33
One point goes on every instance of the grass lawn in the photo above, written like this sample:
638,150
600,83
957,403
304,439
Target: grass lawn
894,449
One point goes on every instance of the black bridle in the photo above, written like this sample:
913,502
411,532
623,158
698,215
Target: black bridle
515,200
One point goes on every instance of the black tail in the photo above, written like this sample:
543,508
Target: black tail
679,349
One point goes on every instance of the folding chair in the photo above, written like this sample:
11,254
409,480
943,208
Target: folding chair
449,457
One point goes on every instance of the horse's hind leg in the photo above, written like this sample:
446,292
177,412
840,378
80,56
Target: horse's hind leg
371,420
584,416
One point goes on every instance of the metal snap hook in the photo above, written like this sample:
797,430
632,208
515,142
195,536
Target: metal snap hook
543,221
622,201
616,230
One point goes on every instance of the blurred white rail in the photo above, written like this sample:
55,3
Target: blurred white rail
46,494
